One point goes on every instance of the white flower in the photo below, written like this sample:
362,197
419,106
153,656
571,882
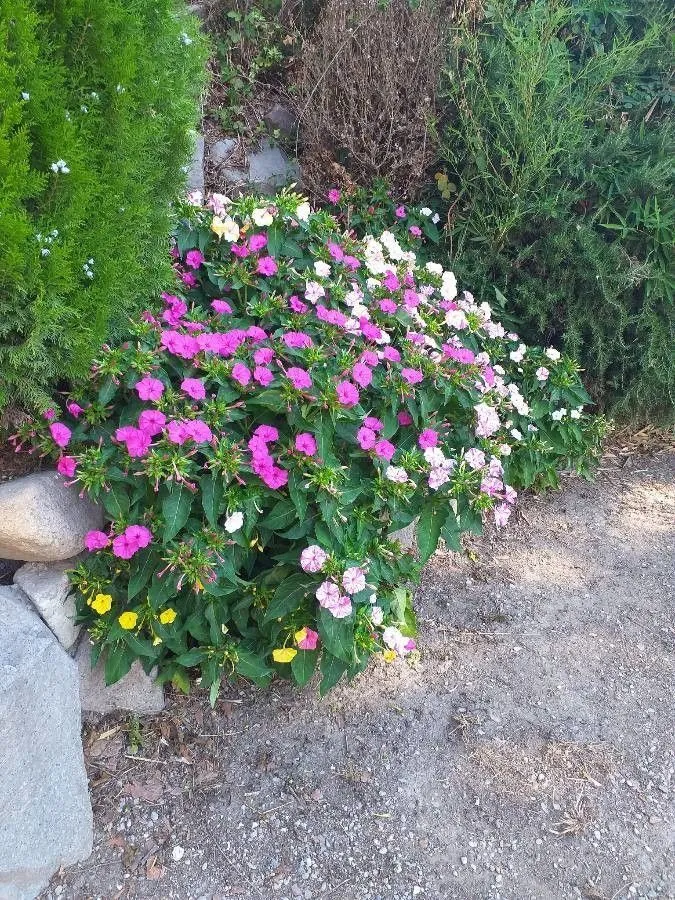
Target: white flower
25,95
60,166
120,89
303,211
519,354
542,373
396,474
377,615
448,286
185,39
322,269
552,353
234,522
558,414
532,428
262,217
84,109
45,251
435,218
425,211
313,291
576,413
504,450
434,268
455,318
516,434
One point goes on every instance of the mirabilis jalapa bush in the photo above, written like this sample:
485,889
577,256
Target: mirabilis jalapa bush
255,444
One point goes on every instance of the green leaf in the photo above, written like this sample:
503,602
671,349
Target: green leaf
303,665
175,509
432,519
332,669
298,494
251,665
337,635
192,657
451,533
143,565
281,516
107,391
118,661
212,496
288,597
116,501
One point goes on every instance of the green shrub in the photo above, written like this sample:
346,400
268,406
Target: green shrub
559,149
304,395
96,103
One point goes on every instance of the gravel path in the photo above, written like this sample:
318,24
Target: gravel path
529,754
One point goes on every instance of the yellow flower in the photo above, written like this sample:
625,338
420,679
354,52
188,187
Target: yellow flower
227,228
156,640
128,620
300,635
167,617
102,603
284,654
389,655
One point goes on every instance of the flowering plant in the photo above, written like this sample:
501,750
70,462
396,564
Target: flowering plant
257,444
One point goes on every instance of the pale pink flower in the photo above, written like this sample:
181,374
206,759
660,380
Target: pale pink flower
312,559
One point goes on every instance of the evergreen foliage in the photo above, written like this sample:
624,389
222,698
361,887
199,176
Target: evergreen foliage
96,105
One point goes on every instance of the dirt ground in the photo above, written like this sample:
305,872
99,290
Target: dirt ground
529,753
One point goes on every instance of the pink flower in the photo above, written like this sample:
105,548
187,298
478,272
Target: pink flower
340,608
305,443
188,279
96,540
333,195
49,414
241,373
475,458
411,299
388,306
487,420
74,409
428,438
267,266
149,388
240,250
399,212
312,559
370,358
362,375
151,421
297,340
297,305
267,433
222,307
194,388
461,354
263,356
354,580
263,375
194,259
366,438
390,281
336,251
327,593
391,354
137,441
542,373
351,262
299,377
373,423
66,466
502,513
275,477
347,394
133,539
404,418
412,376
385,450
199,431
415,230
310,639
177,432
257,242
60,434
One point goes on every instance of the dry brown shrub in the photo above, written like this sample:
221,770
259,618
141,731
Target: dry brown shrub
367,93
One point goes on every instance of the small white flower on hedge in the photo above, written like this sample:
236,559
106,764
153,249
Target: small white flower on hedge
60,166
234,522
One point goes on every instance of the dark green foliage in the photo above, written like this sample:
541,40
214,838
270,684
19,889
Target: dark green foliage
110,89
559,153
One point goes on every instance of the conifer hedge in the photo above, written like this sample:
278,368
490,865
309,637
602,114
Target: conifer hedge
97,103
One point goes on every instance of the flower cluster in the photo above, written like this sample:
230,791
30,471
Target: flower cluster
260,438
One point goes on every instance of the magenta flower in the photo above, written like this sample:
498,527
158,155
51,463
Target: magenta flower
385,450
263,375
390,281
199,431
297,305
366,438
240,250
222,307
263,356
183,345
461,354
60,434
411,299
256,334
177,432
275,477
412,376
404,418
188,279
257,242
266,433
312,559
347,394
267,266
297,340
299,377
96,540
388,306
49,414
74,409
336,251
399,212
241,373
415,230
149,388
373,423
305,443
391,354
354,580
428,438
137,441
132,539
194,259
370,331
369,358
362,374
351,262
151,421
194,388
66,466
333,195
310,639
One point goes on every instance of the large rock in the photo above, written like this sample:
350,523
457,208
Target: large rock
136,692
48,588
45,812
43,520
195,171
222,150
281,118
270,169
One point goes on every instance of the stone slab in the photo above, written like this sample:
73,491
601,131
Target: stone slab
195,172
136,692
48,588
270,168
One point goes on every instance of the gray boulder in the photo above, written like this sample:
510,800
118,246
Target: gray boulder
48,588
43,520
45,812
136,692
222,150
280,118
270,169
